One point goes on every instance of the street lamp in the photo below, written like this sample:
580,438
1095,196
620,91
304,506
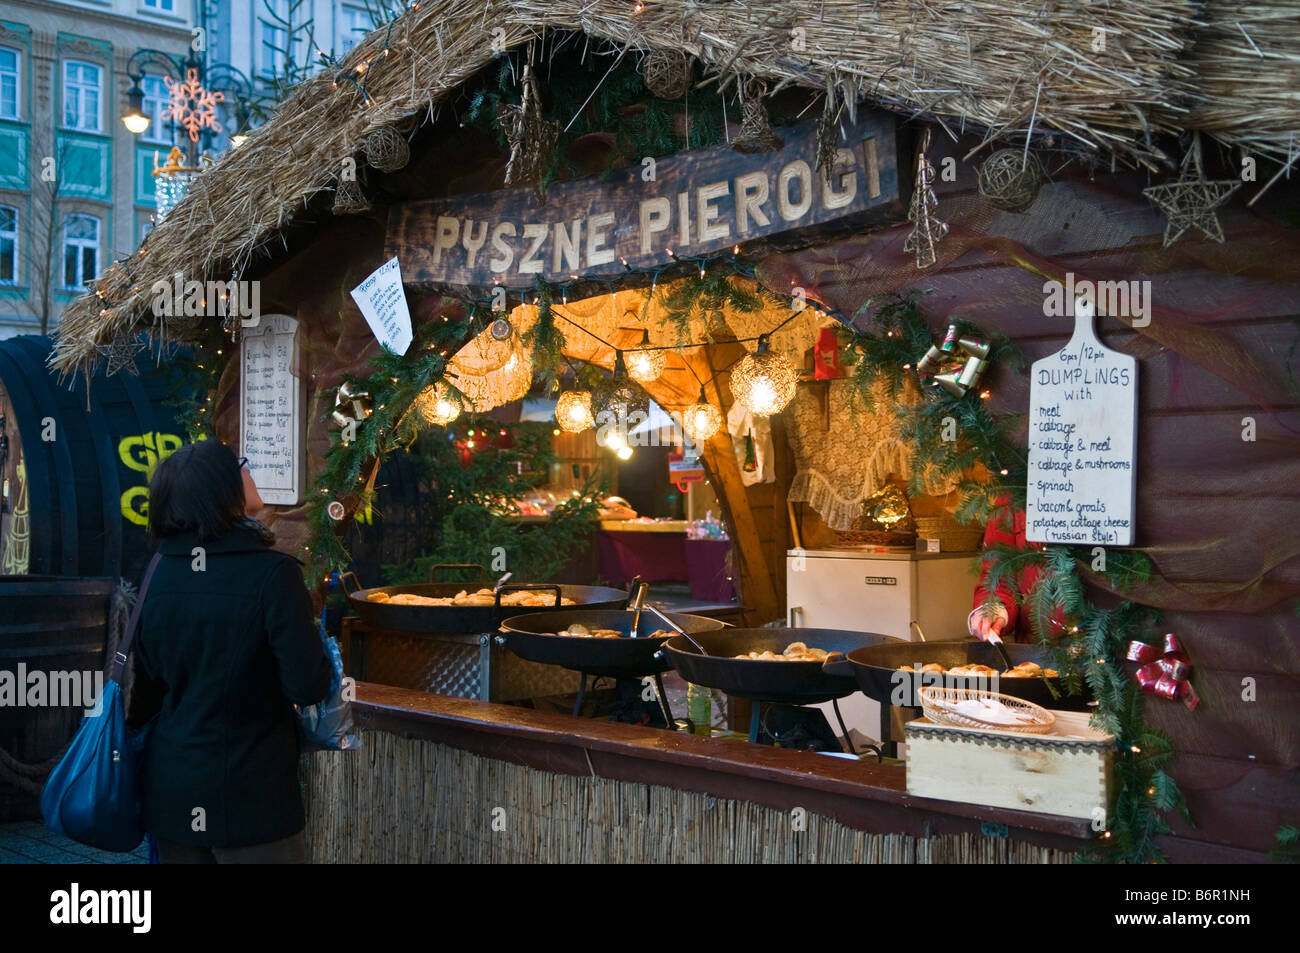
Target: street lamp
134,118
196,82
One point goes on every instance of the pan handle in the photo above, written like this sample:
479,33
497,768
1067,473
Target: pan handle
632,588
525,587
837,664
482,573
356,583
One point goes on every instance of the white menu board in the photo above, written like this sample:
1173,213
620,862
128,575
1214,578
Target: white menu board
270,404
1082,442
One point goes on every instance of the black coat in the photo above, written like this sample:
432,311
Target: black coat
220,655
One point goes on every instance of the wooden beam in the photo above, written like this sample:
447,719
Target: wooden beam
757,585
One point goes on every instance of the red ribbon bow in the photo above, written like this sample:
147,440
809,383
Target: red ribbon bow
1165,671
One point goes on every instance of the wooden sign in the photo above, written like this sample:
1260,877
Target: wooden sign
270,403
1082,442
651,214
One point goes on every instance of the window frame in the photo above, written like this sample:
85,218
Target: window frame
11,235
66,87
84,245
157,133
18,84
353,32
158,6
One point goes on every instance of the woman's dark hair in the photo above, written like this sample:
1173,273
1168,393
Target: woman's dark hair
197,489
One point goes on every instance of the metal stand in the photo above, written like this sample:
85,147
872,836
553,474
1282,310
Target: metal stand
663,703
754,720
582,694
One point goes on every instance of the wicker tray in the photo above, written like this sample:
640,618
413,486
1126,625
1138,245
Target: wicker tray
938,703
874,537
953,536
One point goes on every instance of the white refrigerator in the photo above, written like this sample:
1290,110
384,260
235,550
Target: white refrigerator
879,592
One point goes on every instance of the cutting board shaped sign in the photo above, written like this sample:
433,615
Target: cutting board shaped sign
1082,442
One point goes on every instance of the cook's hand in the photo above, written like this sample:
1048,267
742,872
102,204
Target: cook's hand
988,618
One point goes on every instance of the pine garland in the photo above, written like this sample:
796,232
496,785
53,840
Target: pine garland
711,293
546,340
393,387
1088,644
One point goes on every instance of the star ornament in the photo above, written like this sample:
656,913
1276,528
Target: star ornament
1191,201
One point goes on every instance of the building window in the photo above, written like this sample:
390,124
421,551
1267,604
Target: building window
354,24
82,83
8,245
80,251
9,85
162,6
275,40
156,99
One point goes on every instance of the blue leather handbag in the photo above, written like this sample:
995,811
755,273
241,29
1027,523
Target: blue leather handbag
93,795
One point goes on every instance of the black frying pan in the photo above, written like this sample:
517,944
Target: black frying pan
876,669
466,618
533,637
787,683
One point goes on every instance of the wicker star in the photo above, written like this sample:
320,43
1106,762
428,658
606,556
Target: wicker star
1192,199
120,355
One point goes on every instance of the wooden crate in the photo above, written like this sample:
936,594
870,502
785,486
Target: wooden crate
1067,772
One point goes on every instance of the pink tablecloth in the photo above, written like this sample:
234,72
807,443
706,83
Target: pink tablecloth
655,557
667,557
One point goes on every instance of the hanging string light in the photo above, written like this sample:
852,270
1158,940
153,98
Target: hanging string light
701,420
573,411
763,382
438,405
617,398
645,364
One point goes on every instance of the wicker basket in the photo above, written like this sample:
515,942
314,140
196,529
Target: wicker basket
874,537
953,536
938,703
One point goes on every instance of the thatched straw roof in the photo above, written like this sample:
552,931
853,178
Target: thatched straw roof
1231,70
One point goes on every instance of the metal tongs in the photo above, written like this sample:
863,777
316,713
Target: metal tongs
678,629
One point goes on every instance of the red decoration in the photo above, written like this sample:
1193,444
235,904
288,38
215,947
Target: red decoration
1165,671
826,356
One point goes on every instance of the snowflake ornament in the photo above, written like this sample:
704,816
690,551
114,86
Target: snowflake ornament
194,107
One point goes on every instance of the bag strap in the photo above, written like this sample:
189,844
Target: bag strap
124,647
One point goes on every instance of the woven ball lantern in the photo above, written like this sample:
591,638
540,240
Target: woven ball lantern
645,363
573,411
701,420
501,385
763,382
1010,179
667,73
386,150
618,398
438,405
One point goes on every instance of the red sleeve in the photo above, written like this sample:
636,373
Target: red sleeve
1000,531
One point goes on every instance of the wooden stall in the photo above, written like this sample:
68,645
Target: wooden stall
898,173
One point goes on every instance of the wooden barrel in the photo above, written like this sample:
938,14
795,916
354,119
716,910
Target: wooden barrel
48,625
76,463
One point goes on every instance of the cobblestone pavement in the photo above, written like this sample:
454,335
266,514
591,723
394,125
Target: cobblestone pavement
29,842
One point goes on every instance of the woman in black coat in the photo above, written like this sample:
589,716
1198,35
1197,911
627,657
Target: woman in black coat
227,644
